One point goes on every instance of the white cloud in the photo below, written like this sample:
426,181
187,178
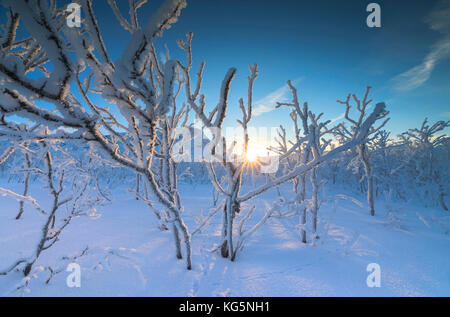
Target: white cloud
338,118
438,20
268,103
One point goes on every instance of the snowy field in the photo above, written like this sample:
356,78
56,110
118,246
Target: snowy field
127,255
119,129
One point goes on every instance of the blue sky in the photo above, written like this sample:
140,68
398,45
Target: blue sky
325,46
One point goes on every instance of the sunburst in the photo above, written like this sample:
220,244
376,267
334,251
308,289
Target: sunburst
251,160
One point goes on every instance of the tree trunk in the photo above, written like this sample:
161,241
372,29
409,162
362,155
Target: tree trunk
370,198
138,185
303,223
177,241
315,200
303,216
367,169
26,186
230,227
224,246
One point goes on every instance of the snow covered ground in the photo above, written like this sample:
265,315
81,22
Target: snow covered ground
128,255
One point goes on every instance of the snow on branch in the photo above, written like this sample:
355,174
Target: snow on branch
18,197
359,138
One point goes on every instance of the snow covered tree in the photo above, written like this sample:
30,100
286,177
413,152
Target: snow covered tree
221,153
298,152
380,145
427,162
298,155
344,134
70,186
309,145
213,122
65,58
54,77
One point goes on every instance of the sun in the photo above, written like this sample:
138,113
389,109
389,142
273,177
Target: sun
252,155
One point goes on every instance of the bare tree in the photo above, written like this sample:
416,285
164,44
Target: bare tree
78,202
26,170
137,84
142,92
213,122
429,158
26,166
233,177
26,181
309,146
298,152
380,148
345,134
